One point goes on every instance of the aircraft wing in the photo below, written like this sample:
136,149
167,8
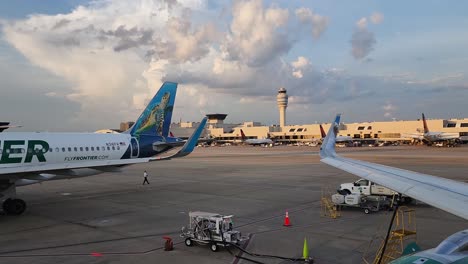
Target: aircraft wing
448,195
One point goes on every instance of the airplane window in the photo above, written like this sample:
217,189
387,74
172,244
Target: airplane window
69,149
108,148
75,148
57,150
103,148
118,148
113,148
92,148
63,149
51,150
86,148
81,148
97,148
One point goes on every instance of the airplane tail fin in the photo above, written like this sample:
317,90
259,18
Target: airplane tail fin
328,145
322,132
156,118
170,133
243,135
426,129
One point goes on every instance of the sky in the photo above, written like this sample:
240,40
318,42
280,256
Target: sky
76,65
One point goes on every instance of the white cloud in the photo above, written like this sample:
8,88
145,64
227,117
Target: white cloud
257,34
299,65
362,23
319,23
389,107
376,18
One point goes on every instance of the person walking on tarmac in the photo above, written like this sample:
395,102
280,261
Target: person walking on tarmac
145,176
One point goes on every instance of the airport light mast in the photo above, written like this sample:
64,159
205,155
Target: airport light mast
282,101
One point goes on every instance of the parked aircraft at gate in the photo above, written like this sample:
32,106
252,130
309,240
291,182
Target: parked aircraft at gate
339,139
259,141
28,158
448,195
429,137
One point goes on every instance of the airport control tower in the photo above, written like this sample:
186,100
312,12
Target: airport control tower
282,101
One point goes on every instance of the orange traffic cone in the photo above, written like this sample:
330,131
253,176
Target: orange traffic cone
286,220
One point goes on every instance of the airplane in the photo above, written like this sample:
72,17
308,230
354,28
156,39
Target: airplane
29,158
339,139
5,126
429,137
256,142
448,195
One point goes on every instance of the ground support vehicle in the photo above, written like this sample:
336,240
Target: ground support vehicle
369,203
211,229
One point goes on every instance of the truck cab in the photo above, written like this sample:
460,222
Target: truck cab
365,187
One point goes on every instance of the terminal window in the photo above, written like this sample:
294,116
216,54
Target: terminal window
360,128
464,125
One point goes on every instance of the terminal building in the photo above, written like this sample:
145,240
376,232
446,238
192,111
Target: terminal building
217,129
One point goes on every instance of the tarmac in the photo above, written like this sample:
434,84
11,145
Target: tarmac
113,218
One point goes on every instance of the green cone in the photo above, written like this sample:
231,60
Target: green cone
305,250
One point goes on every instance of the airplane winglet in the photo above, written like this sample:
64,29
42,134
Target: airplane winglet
328,145
189,146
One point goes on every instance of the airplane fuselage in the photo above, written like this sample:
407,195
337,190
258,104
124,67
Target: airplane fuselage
264,141
20,152
440,136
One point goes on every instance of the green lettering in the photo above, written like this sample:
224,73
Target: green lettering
8,149
40,151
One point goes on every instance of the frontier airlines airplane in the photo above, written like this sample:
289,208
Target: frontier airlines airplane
28,158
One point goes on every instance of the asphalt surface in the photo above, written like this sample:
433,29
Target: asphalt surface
112,218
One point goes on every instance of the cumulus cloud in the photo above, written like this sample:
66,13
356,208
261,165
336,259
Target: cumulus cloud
257,34
362,23
362,40
319,23
299,65
114,55
362,43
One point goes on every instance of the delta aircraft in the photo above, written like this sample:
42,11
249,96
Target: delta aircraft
339,139
29,158
429,137
256,141
448,195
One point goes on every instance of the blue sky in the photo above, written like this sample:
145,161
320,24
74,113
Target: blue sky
99,62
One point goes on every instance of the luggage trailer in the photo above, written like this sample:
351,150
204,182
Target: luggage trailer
370,203
211,229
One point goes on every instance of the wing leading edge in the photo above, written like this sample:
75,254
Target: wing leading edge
448,195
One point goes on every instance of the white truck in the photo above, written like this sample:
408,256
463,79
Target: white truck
366,187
